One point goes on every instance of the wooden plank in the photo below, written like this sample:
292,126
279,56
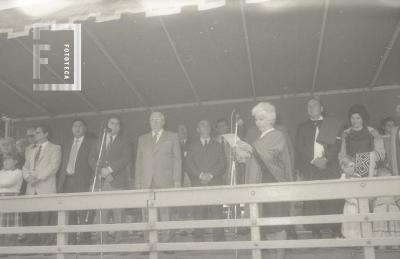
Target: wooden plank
153,233
294,191
203,246
279,192
28,249
366,227
255,230
62,238
218,223
76,201
276,244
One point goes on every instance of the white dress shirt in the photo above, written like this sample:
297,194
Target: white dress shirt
157,134
76,145
318,148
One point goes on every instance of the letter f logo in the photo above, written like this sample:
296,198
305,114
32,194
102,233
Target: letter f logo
37,60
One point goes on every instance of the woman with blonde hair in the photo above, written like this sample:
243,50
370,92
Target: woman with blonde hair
270,158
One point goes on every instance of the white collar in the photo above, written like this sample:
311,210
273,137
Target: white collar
266,132
43,145
318,119
153,133
208,139
113,136
79,139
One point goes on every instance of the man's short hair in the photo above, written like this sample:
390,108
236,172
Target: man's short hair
113,116
80,120
45,129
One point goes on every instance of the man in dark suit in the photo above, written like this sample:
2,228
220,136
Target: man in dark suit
158,162
206,165
76,174
113,167
317,148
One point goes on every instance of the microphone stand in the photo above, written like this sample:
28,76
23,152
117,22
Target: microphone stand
233,170
96,173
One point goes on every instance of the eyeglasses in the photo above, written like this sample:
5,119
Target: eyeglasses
30,135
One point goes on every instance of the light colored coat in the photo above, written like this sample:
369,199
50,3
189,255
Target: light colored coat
46,169
159,164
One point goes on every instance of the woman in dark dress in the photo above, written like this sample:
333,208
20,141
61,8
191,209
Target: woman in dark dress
362,142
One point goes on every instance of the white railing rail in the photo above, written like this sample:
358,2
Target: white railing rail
252,195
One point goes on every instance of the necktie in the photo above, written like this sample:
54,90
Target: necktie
37,155
109,142
317,123
155,137
72,157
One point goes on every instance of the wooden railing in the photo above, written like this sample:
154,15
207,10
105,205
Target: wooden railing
251,195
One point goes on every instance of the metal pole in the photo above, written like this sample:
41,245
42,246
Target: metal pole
95,179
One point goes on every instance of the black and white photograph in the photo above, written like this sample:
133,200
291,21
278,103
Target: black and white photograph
200,129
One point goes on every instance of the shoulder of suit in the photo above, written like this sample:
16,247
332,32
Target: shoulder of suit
51,144
170,134
54,146
305,123
145,135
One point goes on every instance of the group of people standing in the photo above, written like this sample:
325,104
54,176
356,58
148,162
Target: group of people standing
323,149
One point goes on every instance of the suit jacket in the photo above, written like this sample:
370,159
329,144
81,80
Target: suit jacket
118,157
80,181
184,152
184,149
158,163
208,159
304,148
45,170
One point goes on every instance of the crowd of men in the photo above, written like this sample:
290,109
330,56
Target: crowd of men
165,159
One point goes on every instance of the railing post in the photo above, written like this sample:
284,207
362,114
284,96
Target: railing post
153,233
62,237
255,230
366,227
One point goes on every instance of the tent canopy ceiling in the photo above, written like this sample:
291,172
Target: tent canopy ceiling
238,51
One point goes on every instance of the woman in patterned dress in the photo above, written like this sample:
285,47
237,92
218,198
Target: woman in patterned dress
362,142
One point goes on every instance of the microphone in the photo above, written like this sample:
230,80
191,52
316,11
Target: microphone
239,120
232,124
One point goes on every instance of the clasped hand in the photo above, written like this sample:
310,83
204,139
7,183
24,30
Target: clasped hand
320,163
32,179
205,178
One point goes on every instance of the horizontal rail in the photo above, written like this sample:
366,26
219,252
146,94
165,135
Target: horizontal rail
253,195
197,224
76,201
197,196
279,192
203,246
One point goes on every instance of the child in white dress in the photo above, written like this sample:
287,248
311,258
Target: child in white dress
351,206
384,205
10,184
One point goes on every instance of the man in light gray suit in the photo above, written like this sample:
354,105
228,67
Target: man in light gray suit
39,171
158,161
